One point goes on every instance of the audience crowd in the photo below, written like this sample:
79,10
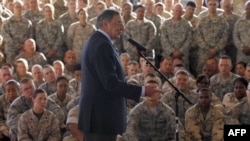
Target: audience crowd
200,50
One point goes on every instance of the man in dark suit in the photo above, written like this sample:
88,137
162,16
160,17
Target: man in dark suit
102,113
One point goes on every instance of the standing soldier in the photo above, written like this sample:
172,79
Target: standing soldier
231,18
222,82
34,14
212,35
68,18
78,33
241,36
49,35
15,31
157,20
142,30
176,35
91,9
60,8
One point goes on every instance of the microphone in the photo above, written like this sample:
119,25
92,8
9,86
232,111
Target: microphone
135,43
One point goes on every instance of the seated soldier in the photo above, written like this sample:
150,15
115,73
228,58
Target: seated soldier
37,122
21,70
72,124
182,80
61,97
238,95
239,114
203,121
59,67
69,63
29,53
37,74
12,92
24,103
50,81
75,82
152,119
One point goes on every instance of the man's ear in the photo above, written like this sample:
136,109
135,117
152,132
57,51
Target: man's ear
104,23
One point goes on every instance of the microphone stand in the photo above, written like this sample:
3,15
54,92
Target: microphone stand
177,93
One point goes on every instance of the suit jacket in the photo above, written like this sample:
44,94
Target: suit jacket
103,88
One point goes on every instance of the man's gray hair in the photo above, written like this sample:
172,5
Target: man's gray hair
108,15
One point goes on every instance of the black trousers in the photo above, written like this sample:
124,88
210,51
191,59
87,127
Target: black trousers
99,137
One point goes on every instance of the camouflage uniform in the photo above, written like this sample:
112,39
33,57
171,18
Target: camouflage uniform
91,12
166,15
192,58
21,105
176,36
168,76
2,89
132,103
230,100
240,114
93,21
50,36
138,77
59,10
230,48
34,17
221,87
132,17
76,85
15,33
145,124
144,32
169,98
200,128
72,103
45,128
67,21
241,38
194,21
77,36
4,107
68,73
72,118
211,34
73,115
157,20
37,84
119,43
51,89
197,12
38,58
63,103
239,6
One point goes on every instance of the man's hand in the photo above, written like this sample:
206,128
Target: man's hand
150,90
